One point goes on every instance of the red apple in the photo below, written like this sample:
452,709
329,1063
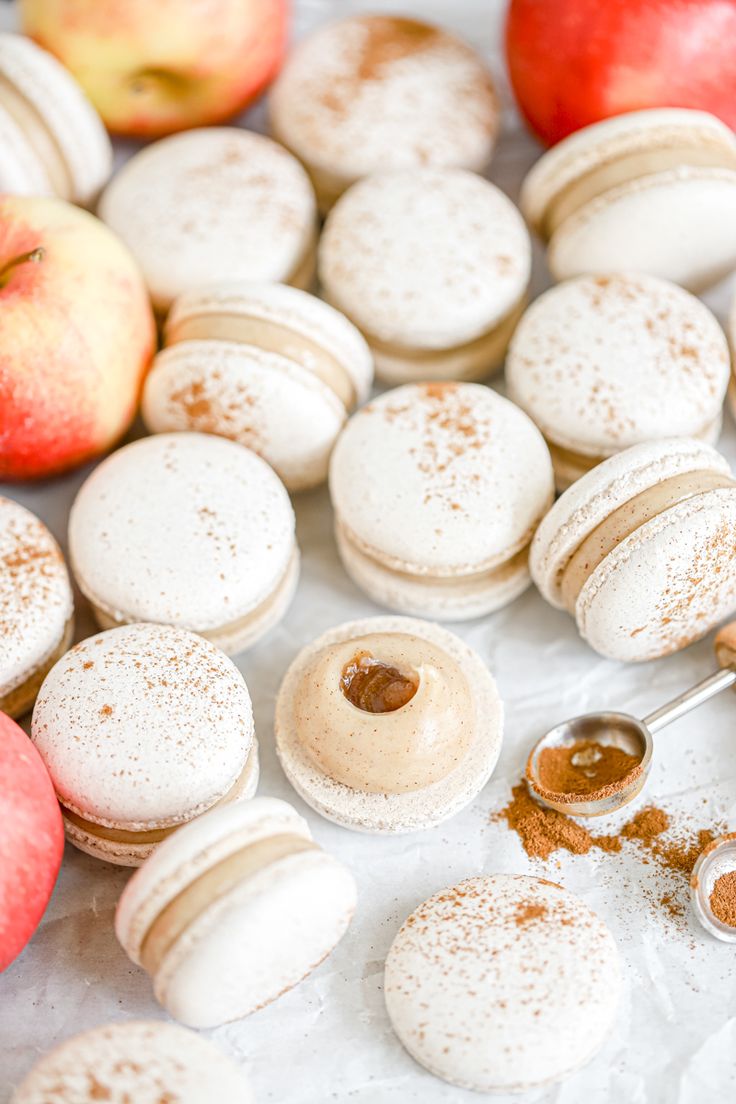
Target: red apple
574,62
31,839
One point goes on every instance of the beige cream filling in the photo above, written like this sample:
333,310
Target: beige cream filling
184,909
273,337
603,177
39,136
626,520
20,699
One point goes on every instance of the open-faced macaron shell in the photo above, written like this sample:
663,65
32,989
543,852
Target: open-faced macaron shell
392,813
146,1062
211,204
62,131
143,728
36,606
186,529
255,939
604,362
503,983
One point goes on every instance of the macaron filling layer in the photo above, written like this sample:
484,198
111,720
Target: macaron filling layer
625,521
39,136
188,905
17,700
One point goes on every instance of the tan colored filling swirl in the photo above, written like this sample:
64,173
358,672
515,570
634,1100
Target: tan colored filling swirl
39,136
184,909
626,520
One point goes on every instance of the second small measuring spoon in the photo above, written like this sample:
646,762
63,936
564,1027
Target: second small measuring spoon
620,735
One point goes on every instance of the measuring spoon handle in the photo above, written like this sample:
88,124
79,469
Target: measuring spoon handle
691,699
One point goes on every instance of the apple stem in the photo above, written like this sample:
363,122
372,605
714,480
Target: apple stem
32,257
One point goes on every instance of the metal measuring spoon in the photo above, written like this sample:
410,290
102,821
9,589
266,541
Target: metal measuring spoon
631,735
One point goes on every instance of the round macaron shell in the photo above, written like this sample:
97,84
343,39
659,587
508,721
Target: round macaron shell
135,1061
21,171
502,983
212,203
185,529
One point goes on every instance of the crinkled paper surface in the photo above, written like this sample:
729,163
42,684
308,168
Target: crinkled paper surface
329,1039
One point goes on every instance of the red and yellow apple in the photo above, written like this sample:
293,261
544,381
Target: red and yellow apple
76,336
152,67
574,62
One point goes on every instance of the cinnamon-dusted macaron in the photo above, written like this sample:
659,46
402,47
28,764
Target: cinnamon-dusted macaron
375,92
641,549
647,191
142,729
213,204
264,364
432,265
604,362
52,139
732,342
437,490
190,530
234,910
503,983
145,1062
388,724
36,606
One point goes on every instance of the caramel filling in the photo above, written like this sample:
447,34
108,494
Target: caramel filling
629,517
376,687
39,136
186,908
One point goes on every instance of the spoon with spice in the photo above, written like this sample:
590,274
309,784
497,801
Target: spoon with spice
596,763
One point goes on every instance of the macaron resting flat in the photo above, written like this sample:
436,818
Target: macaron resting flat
388,724
375,92
190,530
234,910
36,606
52,139
432,265
213,204
142,729
135,1061
437,490
641,549
503,983
648,191
267,365
604,362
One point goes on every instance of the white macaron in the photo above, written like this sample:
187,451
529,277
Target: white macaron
503,983
190,530
135,1061
641,549
388,724
732,343
36,606
604,362
213,204
234,910
648,191
437,490
141,729
53,141
267,365
433,266
376,92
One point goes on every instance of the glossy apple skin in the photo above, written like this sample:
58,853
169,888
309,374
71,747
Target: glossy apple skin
574,62
31,839
76,337
152,67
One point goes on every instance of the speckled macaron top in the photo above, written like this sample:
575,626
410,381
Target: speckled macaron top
145,1062
425,259
502,983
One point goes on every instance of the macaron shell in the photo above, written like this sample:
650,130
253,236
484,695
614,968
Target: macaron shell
21,171
679,224
262,400
502,983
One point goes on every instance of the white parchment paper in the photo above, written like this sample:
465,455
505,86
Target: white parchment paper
330,1039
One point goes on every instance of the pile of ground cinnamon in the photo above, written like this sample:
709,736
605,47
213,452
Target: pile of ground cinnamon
723,898
584,769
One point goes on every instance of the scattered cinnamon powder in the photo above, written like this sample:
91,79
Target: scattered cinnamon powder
585,769
723,898
527,911
543,831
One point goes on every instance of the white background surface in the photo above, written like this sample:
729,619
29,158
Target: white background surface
329,1039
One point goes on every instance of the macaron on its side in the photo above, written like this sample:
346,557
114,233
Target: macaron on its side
135,1060
233,911
443,665
469,976
731,330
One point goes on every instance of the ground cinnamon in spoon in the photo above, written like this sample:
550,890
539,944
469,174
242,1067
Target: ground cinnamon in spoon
584,769
723,898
